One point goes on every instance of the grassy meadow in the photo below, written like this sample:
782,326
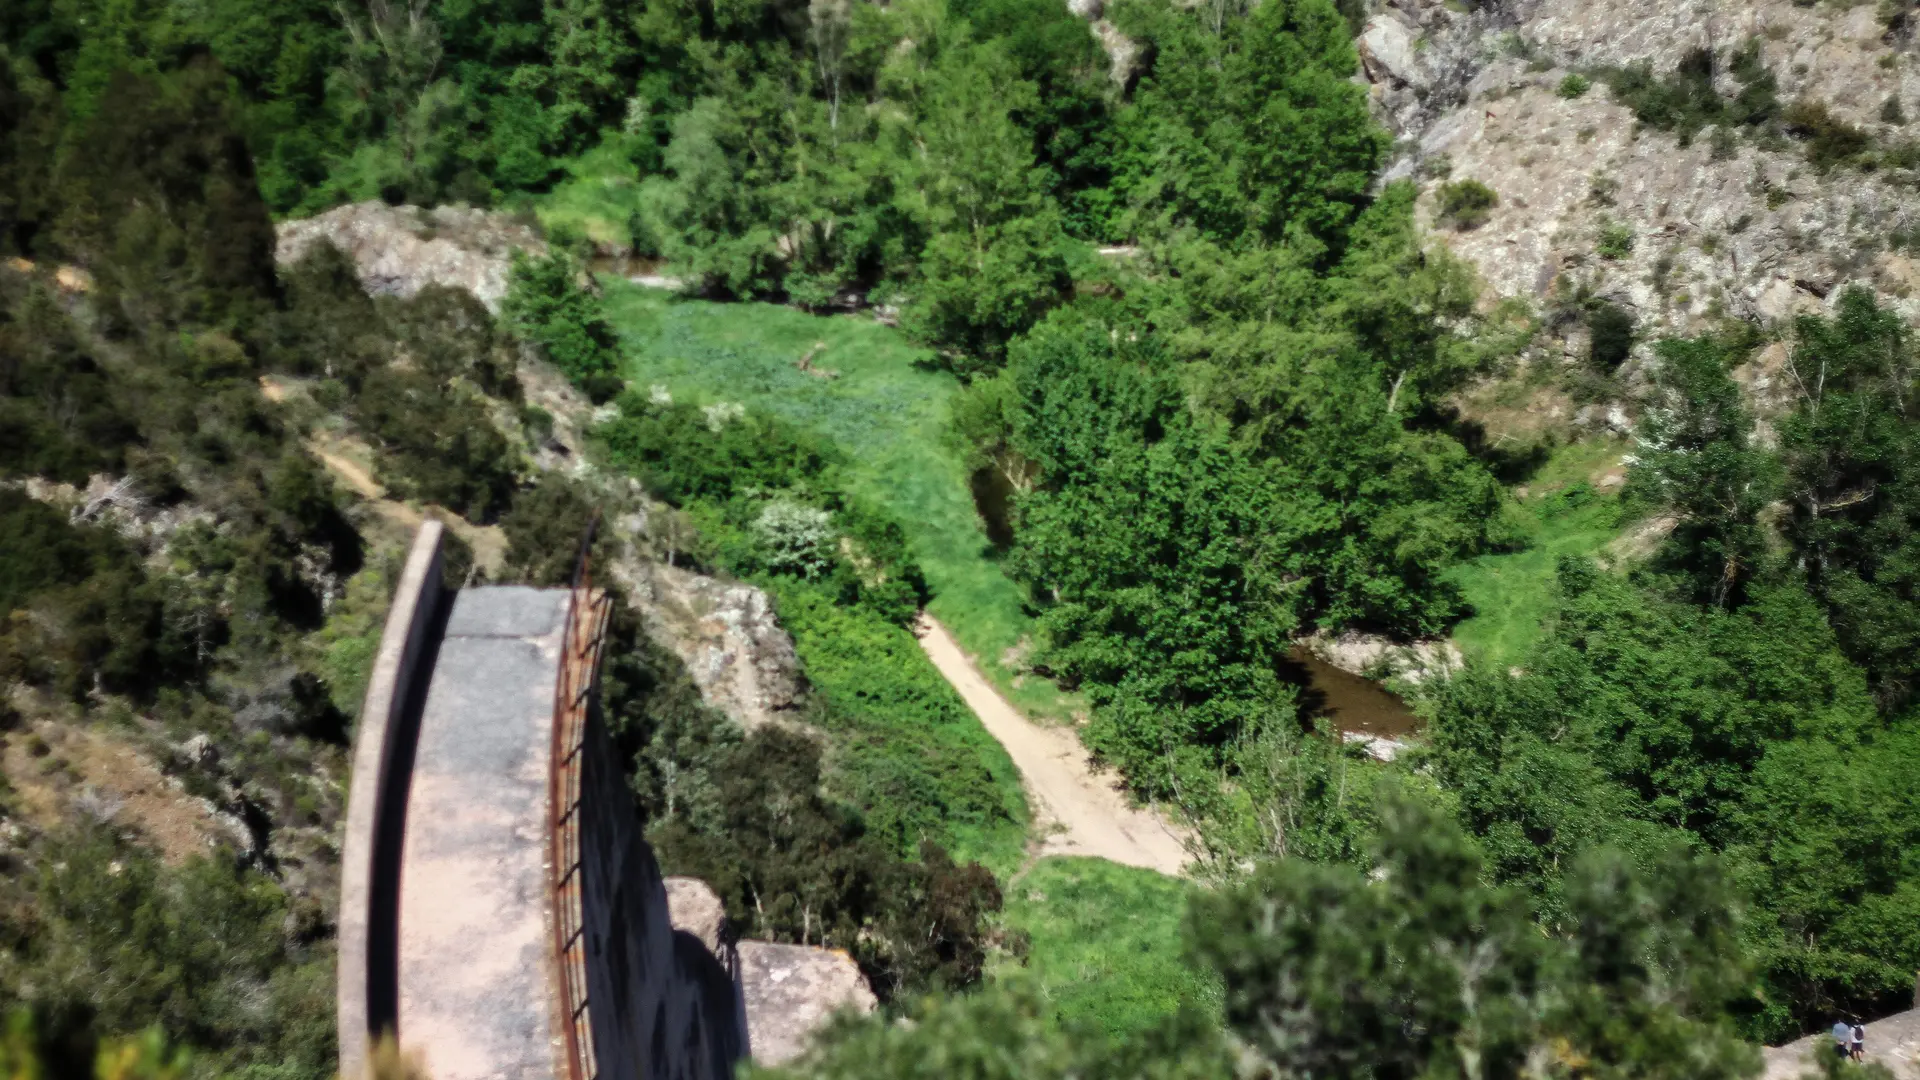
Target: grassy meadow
1563,511
1105,943
884,405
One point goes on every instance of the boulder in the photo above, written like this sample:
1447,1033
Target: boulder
694,907
791,991
1387,54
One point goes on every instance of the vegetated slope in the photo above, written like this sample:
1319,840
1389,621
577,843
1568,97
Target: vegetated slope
872,392
1569,507
1103,943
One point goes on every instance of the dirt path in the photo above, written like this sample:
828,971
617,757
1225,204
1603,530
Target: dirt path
1078,811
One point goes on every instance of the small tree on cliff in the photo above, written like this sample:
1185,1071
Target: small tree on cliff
547,307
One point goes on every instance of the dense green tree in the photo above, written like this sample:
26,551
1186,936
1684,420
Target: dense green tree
161,205
110,939
1642,720
29,127
547,307
1157,549
1850,449
1420,969
1700,465
43,359
443,444
1248,125
989,268
1417,969
1070,118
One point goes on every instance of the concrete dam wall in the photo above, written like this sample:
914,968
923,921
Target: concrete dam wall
501,914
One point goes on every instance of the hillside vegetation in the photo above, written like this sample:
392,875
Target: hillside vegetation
884,403
1665,810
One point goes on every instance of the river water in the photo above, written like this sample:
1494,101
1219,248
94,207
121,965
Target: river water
1352,703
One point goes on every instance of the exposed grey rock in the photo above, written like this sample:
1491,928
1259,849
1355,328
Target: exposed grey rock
118,504
727,636
400,249
1378,747
1745,231
1373,656
1386,51
693,906
200,751
791,991
1122,51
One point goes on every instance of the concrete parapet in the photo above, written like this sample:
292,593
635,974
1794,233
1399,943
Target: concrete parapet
366,994
476,942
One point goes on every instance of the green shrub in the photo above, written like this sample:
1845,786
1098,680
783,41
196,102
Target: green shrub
1684,100
762,818
546,306
1466,204
794,538
1573,86
1609,335
683,452
1615,242
913,757
1721,145
1892,113
442,445
1829,140
120,942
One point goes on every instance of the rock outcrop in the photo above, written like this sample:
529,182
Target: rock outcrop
726,635
788,992
1375,657
791,991
1892,1041
694,907
1748,229
400,249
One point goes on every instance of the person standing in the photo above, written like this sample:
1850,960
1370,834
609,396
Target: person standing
1843,1038
1859,1042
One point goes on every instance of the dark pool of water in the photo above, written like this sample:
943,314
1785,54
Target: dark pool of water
1351,702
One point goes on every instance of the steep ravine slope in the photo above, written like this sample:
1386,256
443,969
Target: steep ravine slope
1742,226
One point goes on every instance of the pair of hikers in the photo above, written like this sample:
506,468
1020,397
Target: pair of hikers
1850,1039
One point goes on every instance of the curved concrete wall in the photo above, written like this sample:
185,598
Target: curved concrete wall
367,991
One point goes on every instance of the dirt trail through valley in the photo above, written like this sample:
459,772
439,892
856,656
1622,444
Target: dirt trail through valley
1078,811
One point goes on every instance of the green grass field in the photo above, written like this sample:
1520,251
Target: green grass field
886,408
1105,943
1563,514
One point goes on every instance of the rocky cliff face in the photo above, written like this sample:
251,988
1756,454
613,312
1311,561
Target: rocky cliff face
1726,223
728,637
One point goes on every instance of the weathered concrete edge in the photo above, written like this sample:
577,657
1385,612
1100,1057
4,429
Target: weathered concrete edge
416,603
